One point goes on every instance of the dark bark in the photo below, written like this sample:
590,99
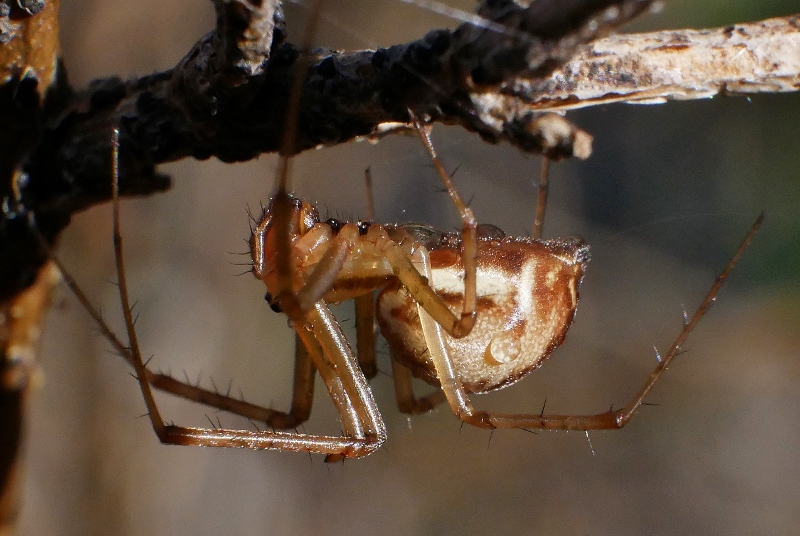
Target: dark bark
227,98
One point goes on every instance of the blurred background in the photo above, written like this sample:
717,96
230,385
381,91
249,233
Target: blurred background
664,200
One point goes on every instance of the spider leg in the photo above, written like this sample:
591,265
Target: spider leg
363,426
402,260
302,391
407,402
365,334
281,202
459,401
541,199
322,340
165,382
469,247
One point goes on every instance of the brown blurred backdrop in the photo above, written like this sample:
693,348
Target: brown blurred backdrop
664,200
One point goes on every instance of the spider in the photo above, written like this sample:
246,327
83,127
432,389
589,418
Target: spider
467,312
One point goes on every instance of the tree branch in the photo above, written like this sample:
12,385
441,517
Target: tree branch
742,59
203,109
28,49
648,68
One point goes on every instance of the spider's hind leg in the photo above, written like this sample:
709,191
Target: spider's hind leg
459,401
365,334
456,325
302,391
407,401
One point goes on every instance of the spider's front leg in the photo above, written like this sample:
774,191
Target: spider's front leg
364,430
327,347
324,259
363,427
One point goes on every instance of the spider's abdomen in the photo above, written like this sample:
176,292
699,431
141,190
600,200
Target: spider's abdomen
527,295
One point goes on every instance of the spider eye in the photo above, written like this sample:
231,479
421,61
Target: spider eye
334,224
273,304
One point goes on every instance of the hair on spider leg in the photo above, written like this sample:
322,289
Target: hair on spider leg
214,384
440,190
252,219
680,352
228,390
213,426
